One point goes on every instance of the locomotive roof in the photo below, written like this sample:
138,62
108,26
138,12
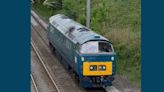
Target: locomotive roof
73,30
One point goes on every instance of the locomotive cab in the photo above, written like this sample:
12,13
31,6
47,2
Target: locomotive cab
96,47
98,63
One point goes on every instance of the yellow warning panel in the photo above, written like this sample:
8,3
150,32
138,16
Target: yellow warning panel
94,68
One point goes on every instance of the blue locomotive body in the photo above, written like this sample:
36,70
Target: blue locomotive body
89,55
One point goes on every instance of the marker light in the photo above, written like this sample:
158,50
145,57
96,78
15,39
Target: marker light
82,58
96,36
112,58
75,59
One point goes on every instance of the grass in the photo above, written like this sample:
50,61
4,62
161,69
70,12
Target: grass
117,20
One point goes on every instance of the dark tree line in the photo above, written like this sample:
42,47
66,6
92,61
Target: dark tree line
59,4
53,3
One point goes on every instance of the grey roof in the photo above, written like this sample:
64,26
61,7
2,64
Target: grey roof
73,30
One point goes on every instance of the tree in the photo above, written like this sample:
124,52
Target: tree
57,4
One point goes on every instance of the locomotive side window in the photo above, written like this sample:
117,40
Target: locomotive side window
51,29
77,46
96,47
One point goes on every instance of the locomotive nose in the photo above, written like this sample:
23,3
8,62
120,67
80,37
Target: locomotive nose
98,65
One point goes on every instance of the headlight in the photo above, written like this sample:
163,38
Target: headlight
93,67
82,58
102,67
112,58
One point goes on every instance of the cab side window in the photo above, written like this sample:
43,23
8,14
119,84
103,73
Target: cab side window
51,29
77,47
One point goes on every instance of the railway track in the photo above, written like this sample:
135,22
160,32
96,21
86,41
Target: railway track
37,18
59,74
40,34
45,68
35,89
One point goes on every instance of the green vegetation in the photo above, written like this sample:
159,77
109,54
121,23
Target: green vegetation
117,20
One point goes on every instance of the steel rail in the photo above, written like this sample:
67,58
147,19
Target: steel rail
42,25
44,40
42,62
33,81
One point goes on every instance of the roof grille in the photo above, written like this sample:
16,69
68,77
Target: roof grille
82,29
64,17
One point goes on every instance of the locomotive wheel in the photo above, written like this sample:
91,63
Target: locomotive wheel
51,47
77,78
61,58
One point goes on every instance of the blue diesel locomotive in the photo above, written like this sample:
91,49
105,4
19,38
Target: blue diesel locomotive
90,55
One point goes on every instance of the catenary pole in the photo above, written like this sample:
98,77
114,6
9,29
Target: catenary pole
88,3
